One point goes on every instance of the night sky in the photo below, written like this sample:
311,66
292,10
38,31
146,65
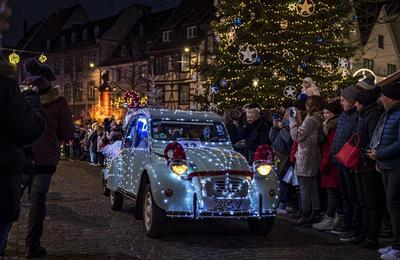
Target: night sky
34,10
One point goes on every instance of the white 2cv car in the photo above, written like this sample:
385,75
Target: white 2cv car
181,164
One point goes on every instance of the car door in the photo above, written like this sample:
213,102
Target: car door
140,152
125,156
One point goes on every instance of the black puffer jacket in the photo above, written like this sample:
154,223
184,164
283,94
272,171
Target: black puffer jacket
254,135
22,123
368,118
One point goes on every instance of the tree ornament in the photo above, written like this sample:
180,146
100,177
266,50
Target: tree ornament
255,82
305,8
42,58
288,55
237,21
14,58
292,7
248,54
231,35
289,92
214,89
284,24
224,83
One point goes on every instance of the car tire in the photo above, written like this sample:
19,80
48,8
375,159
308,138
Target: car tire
153,217
106,191
116,200
261,227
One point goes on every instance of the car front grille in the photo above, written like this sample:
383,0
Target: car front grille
226,187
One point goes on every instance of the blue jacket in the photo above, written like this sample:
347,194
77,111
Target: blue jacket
347,122
386,139
281,139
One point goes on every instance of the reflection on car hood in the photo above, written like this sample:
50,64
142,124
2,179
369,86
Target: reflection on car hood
215,159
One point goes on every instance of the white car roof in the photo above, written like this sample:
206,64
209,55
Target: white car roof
180,115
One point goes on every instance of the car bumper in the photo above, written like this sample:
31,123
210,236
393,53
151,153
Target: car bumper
205,214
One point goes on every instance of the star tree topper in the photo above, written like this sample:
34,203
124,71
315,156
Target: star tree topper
305,8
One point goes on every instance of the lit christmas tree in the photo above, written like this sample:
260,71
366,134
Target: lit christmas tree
267,47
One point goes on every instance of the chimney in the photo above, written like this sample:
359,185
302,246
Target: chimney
25,26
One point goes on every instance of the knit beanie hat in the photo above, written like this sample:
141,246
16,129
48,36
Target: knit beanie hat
367,97
350,93
34,69
334,107
367,84
392,91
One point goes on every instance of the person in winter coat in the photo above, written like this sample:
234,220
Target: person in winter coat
93,136
347,122
22,123
329,172
254,132
308,157
282,144
385,149
46,150
368,181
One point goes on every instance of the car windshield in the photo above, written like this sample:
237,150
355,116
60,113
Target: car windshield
199,131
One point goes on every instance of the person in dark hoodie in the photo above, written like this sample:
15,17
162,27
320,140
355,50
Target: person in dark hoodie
46,150
22,123
368,181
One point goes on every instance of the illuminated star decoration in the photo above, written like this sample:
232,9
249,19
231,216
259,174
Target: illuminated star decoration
289,92
214,89
305,8
292,7
248,54
224,83
288,55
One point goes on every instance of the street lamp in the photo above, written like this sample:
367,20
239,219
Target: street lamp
91,65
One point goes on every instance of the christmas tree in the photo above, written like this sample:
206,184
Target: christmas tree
264,49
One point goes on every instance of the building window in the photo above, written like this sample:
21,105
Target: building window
90,90
191,32
167,64
391,68
73,38
68,64
78,92
79,63
135,48
123,51
184,94
159,66
167,36
185,61
67,92
57,66
48,45
119,74
84,35
369,64
381,42
96,32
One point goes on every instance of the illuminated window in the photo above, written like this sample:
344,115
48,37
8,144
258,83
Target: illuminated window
191,32
167,36
91,90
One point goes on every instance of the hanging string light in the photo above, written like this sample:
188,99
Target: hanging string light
42,58
14,58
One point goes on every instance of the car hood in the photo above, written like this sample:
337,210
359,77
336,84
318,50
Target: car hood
214,159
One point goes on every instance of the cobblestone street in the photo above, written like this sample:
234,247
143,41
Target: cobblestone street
81,225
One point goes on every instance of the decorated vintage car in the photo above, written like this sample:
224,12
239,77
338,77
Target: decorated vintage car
181,164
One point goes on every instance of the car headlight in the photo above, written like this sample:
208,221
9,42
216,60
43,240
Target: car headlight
264,169
179,168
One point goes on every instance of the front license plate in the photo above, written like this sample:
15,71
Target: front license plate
227,204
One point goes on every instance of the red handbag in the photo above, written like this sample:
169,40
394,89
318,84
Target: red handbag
349,155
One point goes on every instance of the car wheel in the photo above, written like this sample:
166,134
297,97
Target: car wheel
106,192
261,227
153,216
116,200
